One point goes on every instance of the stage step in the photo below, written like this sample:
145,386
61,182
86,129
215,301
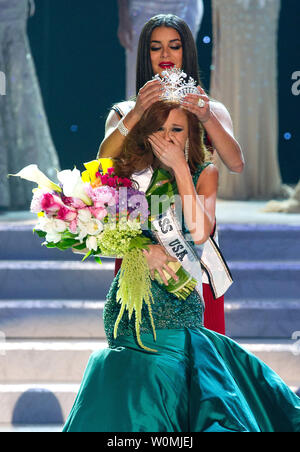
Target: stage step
255,318
271,280
238,242
52,319
74,319
55,279
39,380
44,361
259,242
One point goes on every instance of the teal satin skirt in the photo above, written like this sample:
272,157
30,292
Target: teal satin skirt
198,381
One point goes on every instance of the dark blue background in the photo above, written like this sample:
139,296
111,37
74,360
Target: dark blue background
81,69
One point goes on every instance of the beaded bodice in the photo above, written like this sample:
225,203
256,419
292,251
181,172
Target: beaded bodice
168,311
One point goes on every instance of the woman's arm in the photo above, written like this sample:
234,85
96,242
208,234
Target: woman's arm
198,203
218,124
113,140
219,127
112,144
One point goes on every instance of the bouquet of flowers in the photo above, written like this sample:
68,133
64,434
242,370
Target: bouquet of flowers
98,214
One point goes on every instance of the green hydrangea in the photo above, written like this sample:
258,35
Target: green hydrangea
116,238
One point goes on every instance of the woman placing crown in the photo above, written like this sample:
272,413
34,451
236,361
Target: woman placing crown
189,379
165,42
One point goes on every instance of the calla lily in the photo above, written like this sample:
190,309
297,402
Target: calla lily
73,186
34,174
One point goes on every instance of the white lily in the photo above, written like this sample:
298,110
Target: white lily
34,174
91,243
73,186
93,227
53,227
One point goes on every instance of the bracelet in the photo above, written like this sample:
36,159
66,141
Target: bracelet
122,128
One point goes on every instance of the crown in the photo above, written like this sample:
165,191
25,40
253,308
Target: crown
174,86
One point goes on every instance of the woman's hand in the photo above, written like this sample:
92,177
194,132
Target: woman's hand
170,153
148,95
157,260
191,103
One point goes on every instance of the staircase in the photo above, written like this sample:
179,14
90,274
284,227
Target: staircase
51,308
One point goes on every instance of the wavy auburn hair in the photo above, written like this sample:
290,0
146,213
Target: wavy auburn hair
136,152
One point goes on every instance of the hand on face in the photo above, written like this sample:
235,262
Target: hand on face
170,153
169,141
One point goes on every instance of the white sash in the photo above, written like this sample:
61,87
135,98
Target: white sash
169,235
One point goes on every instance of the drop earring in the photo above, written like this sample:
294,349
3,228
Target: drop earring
186,150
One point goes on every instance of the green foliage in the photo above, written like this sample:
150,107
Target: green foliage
134,288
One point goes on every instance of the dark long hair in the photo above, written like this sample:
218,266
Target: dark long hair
144,71
137,154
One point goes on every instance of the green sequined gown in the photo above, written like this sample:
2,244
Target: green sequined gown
198,381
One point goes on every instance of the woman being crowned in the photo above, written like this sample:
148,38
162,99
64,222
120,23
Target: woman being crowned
186,378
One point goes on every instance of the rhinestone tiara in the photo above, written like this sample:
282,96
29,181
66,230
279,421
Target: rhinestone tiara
174,86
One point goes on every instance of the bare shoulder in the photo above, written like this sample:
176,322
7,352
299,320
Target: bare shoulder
222,113
209,171
209,177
